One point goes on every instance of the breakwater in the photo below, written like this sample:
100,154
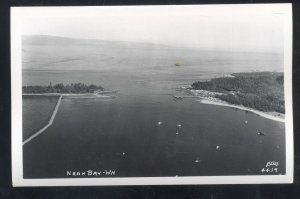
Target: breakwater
47,125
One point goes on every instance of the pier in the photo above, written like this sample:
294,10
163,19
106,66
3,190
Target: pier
47,125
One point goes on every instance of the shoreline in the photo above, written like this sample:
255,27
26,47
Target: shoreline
208,97
95,95
260,113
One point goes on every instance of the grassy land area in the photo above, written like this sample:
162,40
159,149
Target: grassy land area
262,91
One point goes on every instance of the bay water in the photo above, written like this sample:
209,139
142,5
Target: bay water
137,133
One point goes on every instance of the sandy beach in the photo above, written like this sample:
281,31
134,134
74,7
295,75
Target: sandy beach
267,115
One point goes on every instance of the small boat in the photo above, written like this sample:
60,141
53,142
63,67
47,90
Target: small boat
260,133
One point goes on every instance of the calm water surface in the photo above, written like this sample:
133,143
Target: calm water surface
37,111
123,134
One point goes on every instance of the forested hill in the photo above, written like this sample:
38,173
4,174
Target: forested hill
259,90
46,52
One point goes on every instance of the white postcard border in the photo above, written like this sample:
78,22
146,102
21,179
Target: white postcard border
18,13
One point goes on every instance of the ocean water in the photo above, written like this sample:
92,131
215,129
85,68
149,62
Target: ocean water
37,111
123,134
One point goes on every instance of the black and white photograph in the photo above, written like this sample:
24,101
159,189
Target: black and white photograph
152,95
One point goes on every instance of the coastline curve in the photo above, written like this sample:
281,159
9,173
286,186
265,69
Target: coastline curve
260,113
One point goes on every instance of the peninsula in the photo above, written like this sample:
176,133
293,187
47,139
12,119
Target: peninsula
258,92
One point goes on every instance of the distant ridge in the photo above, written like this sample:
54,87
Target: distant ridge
68,41
45,52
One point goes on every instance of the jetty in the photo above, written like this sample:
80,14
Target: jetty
47,125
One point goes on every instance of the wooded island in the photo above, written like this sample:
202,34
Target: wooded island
73,88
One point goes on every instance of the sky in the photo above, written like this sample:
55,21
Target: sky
225,27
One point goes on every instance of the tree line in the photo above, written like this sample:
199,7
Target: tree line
61,88
262,91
